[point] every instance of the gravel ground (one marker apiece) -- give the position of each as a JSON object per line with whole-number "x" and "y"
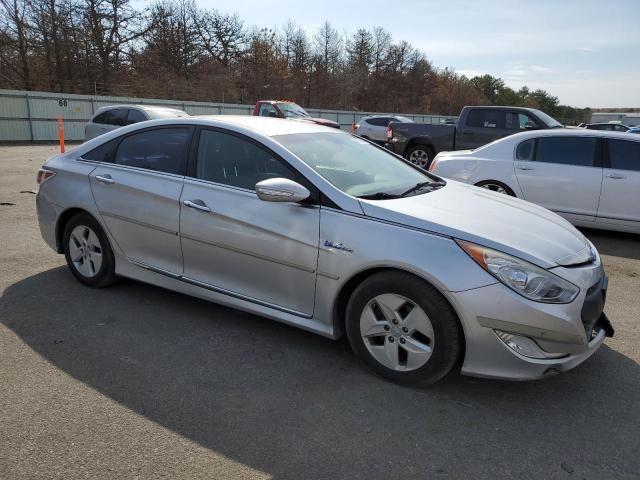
{"x": 138, "y": 382}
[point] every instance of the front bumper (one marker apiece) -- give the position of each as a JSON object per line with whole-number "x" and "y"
{"x": 568, "y": 333}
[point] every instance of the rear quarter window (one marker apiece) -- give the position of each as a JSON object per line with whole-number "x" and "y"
{"x": 524, "y": 151}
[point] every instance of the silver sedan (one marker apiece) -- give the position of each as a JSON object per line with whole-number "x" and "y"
{"x": 324, "y": 231}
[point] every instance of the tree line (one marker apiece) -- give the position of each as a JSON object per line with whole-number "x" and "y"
{"x": 175, "y": 49}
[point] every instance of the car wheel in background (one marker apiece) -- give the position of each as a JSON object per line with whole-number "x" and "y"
{"x": 88, "y": 253}
{"x": 496, "y": 186}
{"x": 403, "y": 329}
{"x": 421, "y": 155}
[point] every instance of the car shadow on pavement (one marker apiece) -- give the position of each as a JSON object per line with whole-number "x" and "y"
{"x": 296, "y": 405}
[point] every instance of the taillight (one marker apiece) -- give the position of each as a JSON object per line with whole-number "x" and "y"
{"x": 389, "y": 132}
{"x": 44, "y": 175}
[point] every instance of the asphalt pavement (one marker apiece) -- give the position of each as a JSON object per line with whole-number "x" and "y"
{"x": 135, "y": 381}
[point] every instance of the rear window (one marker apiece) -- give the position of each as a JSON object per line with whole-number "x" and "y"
{"x": 624, "y": 154}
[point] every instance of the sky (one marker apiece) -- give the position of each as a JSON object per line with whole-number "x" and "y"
{"x": 585, "y": 52}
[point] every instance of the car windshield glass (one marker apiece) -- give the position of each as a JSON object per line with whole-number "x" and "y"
{"x": 550, "y": 122}
{"x": 293, "y": 110}
{"x": 355, "y": 166}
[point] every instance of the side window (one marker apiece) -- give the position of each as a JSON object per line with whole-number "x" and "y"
{"x": 620, "y": 128}
{"x": 135, "y": 116}
{"x": 231, "y": 160}
{"x": 268, "y": 110}
{"x": 525, "y": 150}
{"x": 101, "y": 153}
{"x": 161, "y": 150}
{"x": 578, "y": 151}
{"x": 519, "y": 121}
{"x": 486, "y": 118}
{"x": 624, "y": 154}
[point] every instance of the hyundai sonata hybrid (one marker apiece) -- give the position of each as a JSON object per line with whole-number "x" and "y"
{"x": 325, "y": 231}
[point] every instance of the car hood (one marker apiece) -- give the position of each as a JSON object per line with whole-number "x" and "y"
{"x": 491, "y": 219}
{"x": 323, "y": 121}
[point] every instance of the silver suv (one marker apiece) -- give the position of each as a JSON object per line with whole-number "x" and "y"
{"x": 325, "y": 231}
{"x": 109, "y": 118}
{"x": 375, "y": 127}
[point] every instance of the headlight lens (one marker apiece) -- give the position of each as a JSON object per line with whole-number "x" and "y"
{"x": 522, "y": 277}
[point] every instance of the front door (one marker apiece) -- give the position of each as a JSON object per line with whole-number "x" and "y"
{"x": 620, "y": 199}
{"x": 138, "y": 195}
{"x": 482, "y": 126}
{"x": 233, "y": 242}
{"x": 562, "y": 174}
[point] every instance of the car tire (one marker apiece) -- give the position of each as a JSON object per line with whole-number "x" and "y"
{"x": 88, "y": 253}
{"x": 496, "y": 186}
{"x": 421, "y": 155}
{"x": 403, "y": 329}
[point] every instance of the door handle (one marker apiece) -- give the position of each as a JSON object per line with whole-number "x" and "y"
{"x": 105, "y": 179}
{"x": 615, "y": 176}
{"x": 525, "y": 168}
{"x": 197, "y": 204}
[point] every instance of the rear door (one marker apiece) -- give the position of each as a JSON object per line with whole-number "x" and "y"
{"x": 562, "y": 174}
{"x": 620, "y": 198}
{"x": 482, "y": 126}
{"x": 232, "y": 241}
{"x": 138, "y": 194}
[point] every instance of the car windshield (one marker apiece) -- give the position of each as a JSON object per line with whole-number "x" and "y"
{"x": 550, "y": 122}
{"x": 353, "y": 165}
{"x": 293, "y": 110}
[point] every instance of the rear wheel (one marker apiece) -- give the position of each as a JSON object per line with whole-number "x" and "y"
{"x": 88, "y": 253}
{"x": 421, "y": 155}
{"x": 403, "y": 329}
{"x": 496, "y": 186}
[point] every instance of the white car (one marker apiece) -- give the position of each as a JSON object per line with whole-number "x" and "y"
{"x": 375, "y": 127}
{"x": 109, "y": 118}
{"x": 590, "y": 177}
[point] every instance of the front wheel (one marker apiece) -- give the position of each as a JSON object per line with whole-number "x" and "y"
{"x": 403, "y": 329}
{"x": 421, "y": 155}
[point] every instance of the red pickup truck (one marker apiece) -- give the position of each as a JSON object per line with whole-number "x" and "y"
{"x": 290, "y": 110}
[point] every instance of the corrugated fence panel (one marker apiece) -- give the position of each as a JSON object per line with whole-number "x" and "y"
{"x": 27, "y": 116}
{"x": 14, "y": 131}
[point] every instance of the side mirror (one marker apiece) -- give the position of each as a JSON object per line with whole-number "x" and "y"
{"x": 530, "y": 126}
{"x": 281, "y": 190}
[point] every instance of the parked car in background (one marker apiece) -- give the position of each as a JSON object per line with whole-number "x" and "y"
{"x": 290, "y": 110}
{"x": 634, "y": 130}
{"x": 476, "y": 126}
{"x": 590, "y": 177}
{"x": 293, "y": 221}
{"x": 611, "y": 126}
{"x": 109, "y": 118}
{"x": 375, "y": 127}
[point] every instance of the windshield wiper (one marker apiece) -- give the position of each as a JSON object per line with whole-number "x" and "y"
{"x": 378, "y": 196}
{"x": 421, "y": 185}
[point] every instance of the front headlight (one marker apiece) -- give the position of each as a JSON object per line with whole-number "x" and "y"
{"x": 522, "y": 277}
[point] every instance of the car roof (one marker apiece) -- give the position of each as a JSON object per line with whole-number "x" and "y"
{"x": 141, "y": 107}
{"x": 264, "y": 125}
{"x": 569, "y": 132}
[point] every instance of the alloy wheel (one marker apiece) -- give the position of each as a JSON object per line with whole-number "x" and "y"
{"x": 85, "y": 251}
{"x": 494, "y": 187}
{"x": 397, "y": 332}
{"x": 419, "y": 158}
